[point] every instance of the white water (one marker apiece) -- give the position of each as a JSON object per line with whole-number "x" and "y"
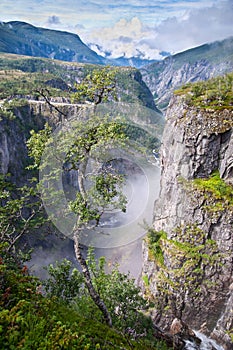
{"x": 206, "y": 343}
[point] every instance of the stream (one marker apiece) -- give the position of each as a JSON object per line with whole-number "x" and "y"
{"x": 206, "y": 343}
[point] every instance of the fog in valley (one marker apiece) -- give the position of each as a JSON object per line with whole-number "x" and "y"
{"x": 119, "y": 235}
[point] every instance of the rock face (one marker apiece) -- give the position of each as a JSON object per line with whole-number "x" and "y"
{"x": 188, "y": 259}
{"x": 15, "y": 132}
{"x": 200, "y": 63}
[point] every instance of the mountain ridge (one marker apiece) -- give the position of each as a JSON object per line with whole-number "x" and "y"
{"x": 23, "y": 38}
{"x": 26, "y": 39}
{"x": 199, "y": 63}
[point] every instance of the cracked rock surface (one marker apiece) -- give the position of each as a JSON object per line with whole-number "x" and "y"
{"x": 195, "y": 144}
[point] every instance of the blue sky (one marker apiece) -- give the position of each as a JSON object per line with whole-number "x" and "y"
{"x": 130, "y": 28}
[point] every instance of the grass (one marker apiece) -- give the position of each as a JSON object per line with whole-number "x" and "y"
{"x": 216, "y": 187}
{"x": 214, "y": 94}
{"x": 16, "y": 83}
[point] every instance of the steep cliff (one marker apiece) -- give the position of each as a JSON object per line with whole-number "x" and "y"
{"x": 188, "y": 254}
{"x": 200, "y": 63}
{"x": 15, "y": 131}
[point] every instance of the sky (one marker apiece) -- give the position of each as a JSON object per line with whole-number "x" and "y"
{"x": 141, "y": 28}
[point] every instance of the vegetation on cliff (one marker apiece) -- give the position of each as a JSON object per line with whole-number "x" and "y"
{"x": 22, "y": 75}
{"x": 188, "y": 267}
{"x": 214, "y": 94}
{"x": 182, "y": 275}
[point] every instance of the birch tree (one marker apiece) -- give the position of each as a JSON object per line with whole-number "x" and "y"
{"x": 99, "y": 187}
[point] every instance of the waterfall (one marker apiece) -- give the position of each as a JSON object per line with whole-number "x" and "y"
{"x": 206, "y": 343}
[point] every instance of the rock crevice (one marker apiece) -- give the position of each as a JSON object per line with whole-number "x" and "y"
{"x": 194, "y": 280}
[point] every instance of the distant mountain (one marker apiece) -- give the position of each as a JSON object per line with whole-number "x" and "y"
{"x": 24, "y": 39}
{"x": 200, "y": 63}
{"x": 136, "y": 62}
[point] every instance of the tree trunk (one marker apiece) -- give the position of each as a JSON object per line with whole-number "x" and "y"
{"x": 93, "y": 293}
{"x": 81, "y": 177}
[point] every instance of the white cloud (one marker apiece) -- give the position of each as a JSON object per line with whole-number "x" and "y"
{"x": 53, "y": 20}
{"x": 123, "y": 39}
{"x": 142, "y": 27}
{"x": 195, "y": 27}
{"x": 198, "y": 26}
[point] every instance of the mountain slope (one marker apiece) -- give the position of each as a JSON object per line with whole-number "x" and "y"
{"x": 130, "y": 86}
{"x": 23, "y": 79}
{"x": 200, "y": 63}
{"x": 25, "y": 39}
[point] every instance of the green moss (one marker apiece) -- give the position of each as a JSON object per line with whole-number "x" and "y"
{"x": 146, "y": 280}
{"x": 154, "y": 239}
{"x": 231, "y": 334}
{"x": 217, "y": 187}
{"x": 183, "y": 270}
{"x": 215, "y": 94}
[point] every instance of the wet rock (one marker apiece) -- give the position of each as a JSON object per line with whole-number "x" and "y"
{"x": 180, "y": 330}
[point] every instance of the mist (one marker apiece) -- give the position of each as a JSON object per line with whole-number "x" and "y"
{"x": 119, "y": 236}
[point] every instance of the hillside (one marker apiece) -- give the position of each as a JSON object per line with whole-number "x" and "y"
{"x": 131, "y": 88}
{"x": 23, "y": 78}
{"x": 25, "y": 39}
{"x": 33, "y": 91}
{"x": 200, "y": 63}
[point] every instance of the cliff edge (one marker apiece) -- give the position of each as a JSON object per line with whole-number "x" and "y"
{"x": 188, "y": 255}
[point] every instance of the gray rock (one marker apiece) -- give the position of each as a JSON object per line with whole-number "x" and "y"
{"x": 194, "y": 145}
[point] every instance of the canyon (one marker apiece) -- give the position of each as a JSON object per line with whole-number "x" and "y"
{"x": 187, "y": 257}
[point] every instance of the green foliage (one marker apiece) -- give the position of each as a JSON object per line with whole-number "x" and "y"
{"x": 6, "y": 111}
{"x": 62, "y": 282}
{"x": 97, "y": 87}
{"x": 119, "y": 292}
{"x": 37, "y": 143}
{"x": 121, "y": 295}
{"x": 89, "y": 140}
{"x": 185, "y": 273}
{"x": 216, "y": 93}
{"x": 20, "y": 213}
{"x": 216, "y": 187}
{"x": 30, "y": 320}
{"x": 154, "y": 239}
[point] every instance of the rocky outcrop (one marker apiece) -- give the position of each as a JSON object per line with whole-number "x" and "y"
{"x": 188, "y": 257}
{"x": 15, "y": 131}
{"x": 200, "y": 63}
